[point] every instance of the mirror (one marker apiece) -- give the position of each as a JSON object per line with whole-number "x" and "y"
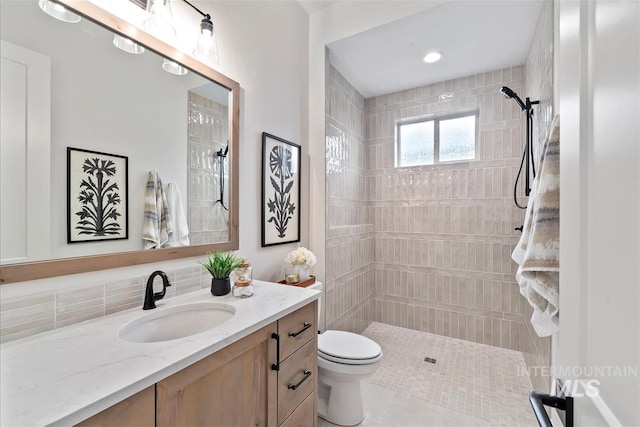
{"x": 91, "y": 96}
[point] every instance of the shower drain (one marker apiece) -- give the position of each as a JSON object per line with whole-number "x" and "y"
{"x": 430, "y": 360}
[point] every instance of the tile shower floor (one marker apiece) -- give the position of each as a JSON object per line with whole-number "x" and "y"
{"x": 469, "y": 385}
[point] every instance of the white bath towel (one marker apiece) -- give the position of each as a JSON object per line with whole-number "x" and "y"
{"x": 179, "y": 235}
{"x": 156, "y": 225}
{"x": 538, "y": 251}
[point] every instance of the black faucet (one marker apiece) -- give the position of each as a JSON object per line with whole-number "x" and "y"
{"x": 150, "y": 297}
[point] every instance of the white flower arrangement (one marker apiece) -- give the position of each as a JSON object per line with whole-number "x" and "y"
{"x": 302, "y": 257}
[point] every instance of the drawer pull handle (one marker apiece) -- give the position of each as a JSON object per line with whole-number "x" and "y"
{"x": 307, "y": 325}
{"x": 276, "y": 366}
{"x": 307, "y": 374}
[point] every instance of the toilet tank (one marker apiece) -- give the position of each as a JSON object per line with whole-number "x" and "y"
{"x": 318, "y": 287}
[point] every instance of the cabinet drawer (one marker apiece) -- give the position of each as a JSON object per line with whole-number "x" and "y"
{"x": 304, "y": 415}
{"x": 293, "y": 329}
{"x": 296, "y": 379}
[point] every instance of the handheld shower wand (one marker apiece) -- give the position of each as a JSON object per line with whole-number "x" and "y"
{"x": 510, "y": 94}
{"x": 222, "y": 154}
{"x": 527, "y": 155}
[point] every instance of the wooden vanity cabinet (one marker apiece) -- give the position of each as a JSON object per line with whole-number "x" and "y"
{"x": 243, "y": 384}
{"x": 136, "y": 411}
{"x": 235, "y": 386}
{"x": 238, "y": 385}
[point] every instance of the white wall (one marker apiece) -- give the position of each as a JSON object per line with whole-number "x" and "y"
{"x": 264, "y": 47}
{"x": 599, "y": 99}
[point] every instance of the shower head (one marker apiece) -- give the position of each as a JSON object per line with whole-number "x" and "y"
{"x": 507, "y": 92}
{"x": 510, "y": 94}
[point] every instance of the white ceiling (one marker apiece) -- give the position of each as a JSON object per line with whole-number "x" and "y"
{"x": 474, "y": 35}
{"x": 314, "y": 5}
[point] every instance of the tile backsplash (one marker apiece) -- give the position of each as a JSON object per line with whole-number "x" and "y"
{"x": 22, "y": 316}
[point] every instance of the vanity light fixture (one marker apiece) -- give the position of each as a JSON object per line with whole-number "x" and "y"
{"x": 207, "y": 47}
{"x": 127, "y": 45}
{"x": 173, "y": 67}
{"x": 58, "y": 11}
{"x": 433, "y": 56}
{"x": 160, "y": 21}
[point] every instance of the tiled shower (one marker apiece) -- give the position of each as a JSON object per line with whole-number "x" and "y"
{"x": 429, "y": 248}
{"x": 208, "y": 133}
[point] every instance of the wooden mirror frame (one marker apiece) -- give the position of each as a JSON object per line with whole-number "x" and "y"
{"x": 65, "y": 266}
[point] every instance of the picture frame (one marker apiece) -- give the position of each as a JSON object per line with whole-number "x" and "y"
{"x": 91, "y": 218}
{"x": 280, "y": 191}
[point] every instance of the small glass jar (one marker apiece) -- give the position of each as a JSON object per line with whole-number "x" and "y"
{"x": 242, "y": 289}
{"x": 244, "y": 272}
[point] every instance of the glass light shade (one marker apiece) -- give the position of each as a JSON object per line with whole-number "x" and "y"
{"x": 207, "y": 47}
{"x": 173, "y": 68}
{"x": 160, "y": 21}
{"x": 58, "y": 11}
{"x": 127, "y": 45}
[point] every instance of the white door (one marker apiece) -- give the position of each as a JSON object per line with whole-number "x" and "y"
{"x": 25, "y": 179}
{"x": 598, "y": 60}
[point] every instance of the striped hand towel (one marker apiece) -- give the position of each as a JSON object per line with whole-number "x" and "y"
{"x": 156, "y": 225}
{"x": 538, "y": 251}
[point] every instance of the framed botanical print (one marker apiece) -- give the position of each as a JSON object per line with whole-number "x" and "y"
{"x": 97, "y": 196}
{"x": 280, "y": 191}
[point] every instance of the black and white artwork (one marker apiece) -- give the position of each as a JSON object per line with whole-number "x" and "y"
{"x": 97, "y": 196}
{"x": 280, "y": 191}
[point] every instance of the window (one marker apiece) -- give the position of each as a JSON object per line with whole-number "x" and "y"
{"x": 450, "y": 138}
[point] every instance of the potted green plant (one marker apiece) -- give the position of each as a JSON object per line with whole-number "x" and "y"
{"x": 220, "y": 265}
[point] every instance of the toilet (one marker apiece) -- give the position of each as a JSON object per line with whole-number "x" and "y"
{"x": 344, "y": 359}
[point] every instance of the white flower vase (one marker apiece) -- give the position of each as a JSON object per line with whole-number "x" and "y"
{"x": 303, "y": 273}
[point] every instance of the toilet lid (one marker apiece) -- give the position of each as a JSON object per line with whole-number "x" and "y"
{"x": 347, "y": 345}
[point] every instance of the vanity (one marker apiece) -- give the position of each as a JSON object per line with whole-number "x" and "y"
{"x": 257, "y": 368}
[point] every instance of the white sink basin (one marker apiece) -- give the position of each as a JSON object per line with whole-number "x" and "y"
{"x": 176, "y": 322}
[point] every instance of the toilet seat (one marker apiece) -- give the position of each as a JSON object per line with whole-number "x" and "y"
{"x": 348, "y": 348}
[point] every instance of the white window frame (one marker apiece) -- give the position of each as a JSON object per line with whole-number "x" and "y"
{"x": 436, "y": 119}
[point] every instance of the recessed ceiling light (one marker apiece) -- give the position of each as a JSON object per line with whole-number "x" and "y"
{"x": 432, "y": 57}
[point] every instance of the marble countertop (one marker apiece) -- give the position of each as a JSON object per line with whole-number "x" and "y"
{"x": 67, "y": 375}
